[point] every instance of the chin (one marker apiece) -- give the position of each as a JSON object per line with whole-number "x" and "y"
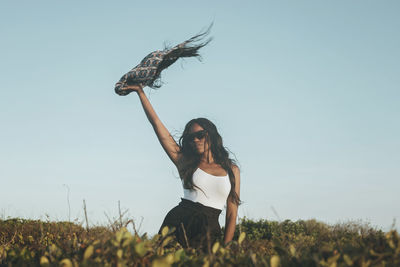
{"x": 199, "y": 152}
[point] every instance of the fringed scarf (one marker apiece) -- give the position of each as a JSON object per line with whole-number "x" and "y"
{"x": 148, "y": 71}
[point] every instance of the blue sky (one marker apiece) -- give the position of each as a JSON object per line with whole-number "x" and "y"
{"x": 304, "y": 93}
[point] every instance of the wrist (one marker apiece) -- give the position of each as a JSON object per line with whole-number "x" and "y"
{"x": 140, "y": 90}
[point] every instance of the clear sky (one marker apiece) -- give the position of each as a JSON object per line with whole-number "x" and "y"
{"x": 304, "y": 93}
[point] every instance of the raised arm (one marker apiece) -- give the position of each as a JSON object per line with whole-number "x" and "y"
{"x": 166, "y": 140}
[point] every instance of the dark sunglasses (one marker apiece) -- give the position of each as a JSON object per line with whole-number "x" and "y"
{"x": 198, "y": 134}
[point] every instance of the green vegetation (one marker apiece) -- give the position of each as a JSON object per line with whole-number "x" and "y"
{"x": 256, "y": 243}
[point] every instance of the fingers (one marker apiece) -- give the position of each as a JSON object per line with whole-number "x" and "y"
{"x": 132, "y": 87}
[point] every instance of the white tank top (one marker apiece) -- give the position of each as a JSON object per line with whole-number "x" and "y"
{"x": 216, "y": 189}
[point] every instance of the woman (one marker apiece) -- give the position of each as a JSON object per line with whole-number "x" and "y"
{"x": 210, "y": 179}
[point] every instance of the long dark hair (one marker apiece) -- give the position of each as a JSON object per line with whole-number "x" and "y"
{"x": 190, "y": 159}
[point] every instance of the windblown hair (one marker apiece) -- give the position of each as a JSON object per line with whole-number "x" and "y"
{"x": 190, "y": 159}
{"x": 186, "y": 49}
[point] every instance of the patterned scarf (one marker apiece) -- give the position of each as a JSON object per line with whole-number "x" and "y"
{"x": 148, "y": 71}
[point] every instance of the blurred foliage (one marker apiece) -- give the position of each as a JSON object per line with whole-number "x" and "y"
{"x": 256, "y": 243}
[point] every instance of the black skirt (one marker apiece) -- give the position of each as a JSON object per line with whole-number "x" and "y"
{"x": 195, "y": 225}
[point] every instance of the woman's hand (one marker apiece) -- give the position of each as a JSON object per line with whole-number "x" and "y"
{"x": 135, "y": 87}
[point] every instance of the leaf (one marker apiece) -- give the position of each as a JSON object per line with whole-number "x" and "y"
{"x": 215, "y": 247}
{"x": 55, "y": 251}
{"x": 119, "y": 235}
{"x": 44, "y": 261}
{"x": 241, "y": 237}
{"x": 3, "y": 252}
{"x": 275, "y": 261}
{"x": 66, "y": 263}
{"x": 347, "y": 259}
{"x": 292, "y": 250}
{"x": 127, "y": 234}
{"x": 253, "y": 258}
{"x": 166, "y": 241}
{"x": 333, "y": 259}
{"x": 179, "y": 254}
{"x": 140, "y": 249}
{"x": 88, "y": 252}
{"x": 119, "y": 253}
{"x": 164, "y": 231}
{"x": 160, "y": 263}
{"x": 127, "y": 241}
{"x": 170, "y": 258}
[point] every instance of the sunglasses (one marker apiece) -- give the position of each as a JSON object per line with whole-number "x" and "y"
{"x": 199, "y": 135}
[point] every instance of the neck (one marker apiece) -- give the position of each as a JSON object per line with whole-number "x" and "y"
{"x": 207, "y": 157}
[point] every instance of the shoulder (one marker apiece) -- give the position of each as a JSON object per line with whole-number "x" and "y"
{"x": 236, "y": 173}
{"x": 236, "y": 170}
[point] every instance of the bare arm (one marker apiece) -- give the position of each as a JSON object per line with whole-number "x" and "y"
{"x": 166, "y": 140}
{"x": 232, "y": 209}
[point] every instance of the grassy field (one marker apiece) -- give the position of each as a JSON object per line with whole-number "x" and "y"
{"x": 256, "y": 243}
